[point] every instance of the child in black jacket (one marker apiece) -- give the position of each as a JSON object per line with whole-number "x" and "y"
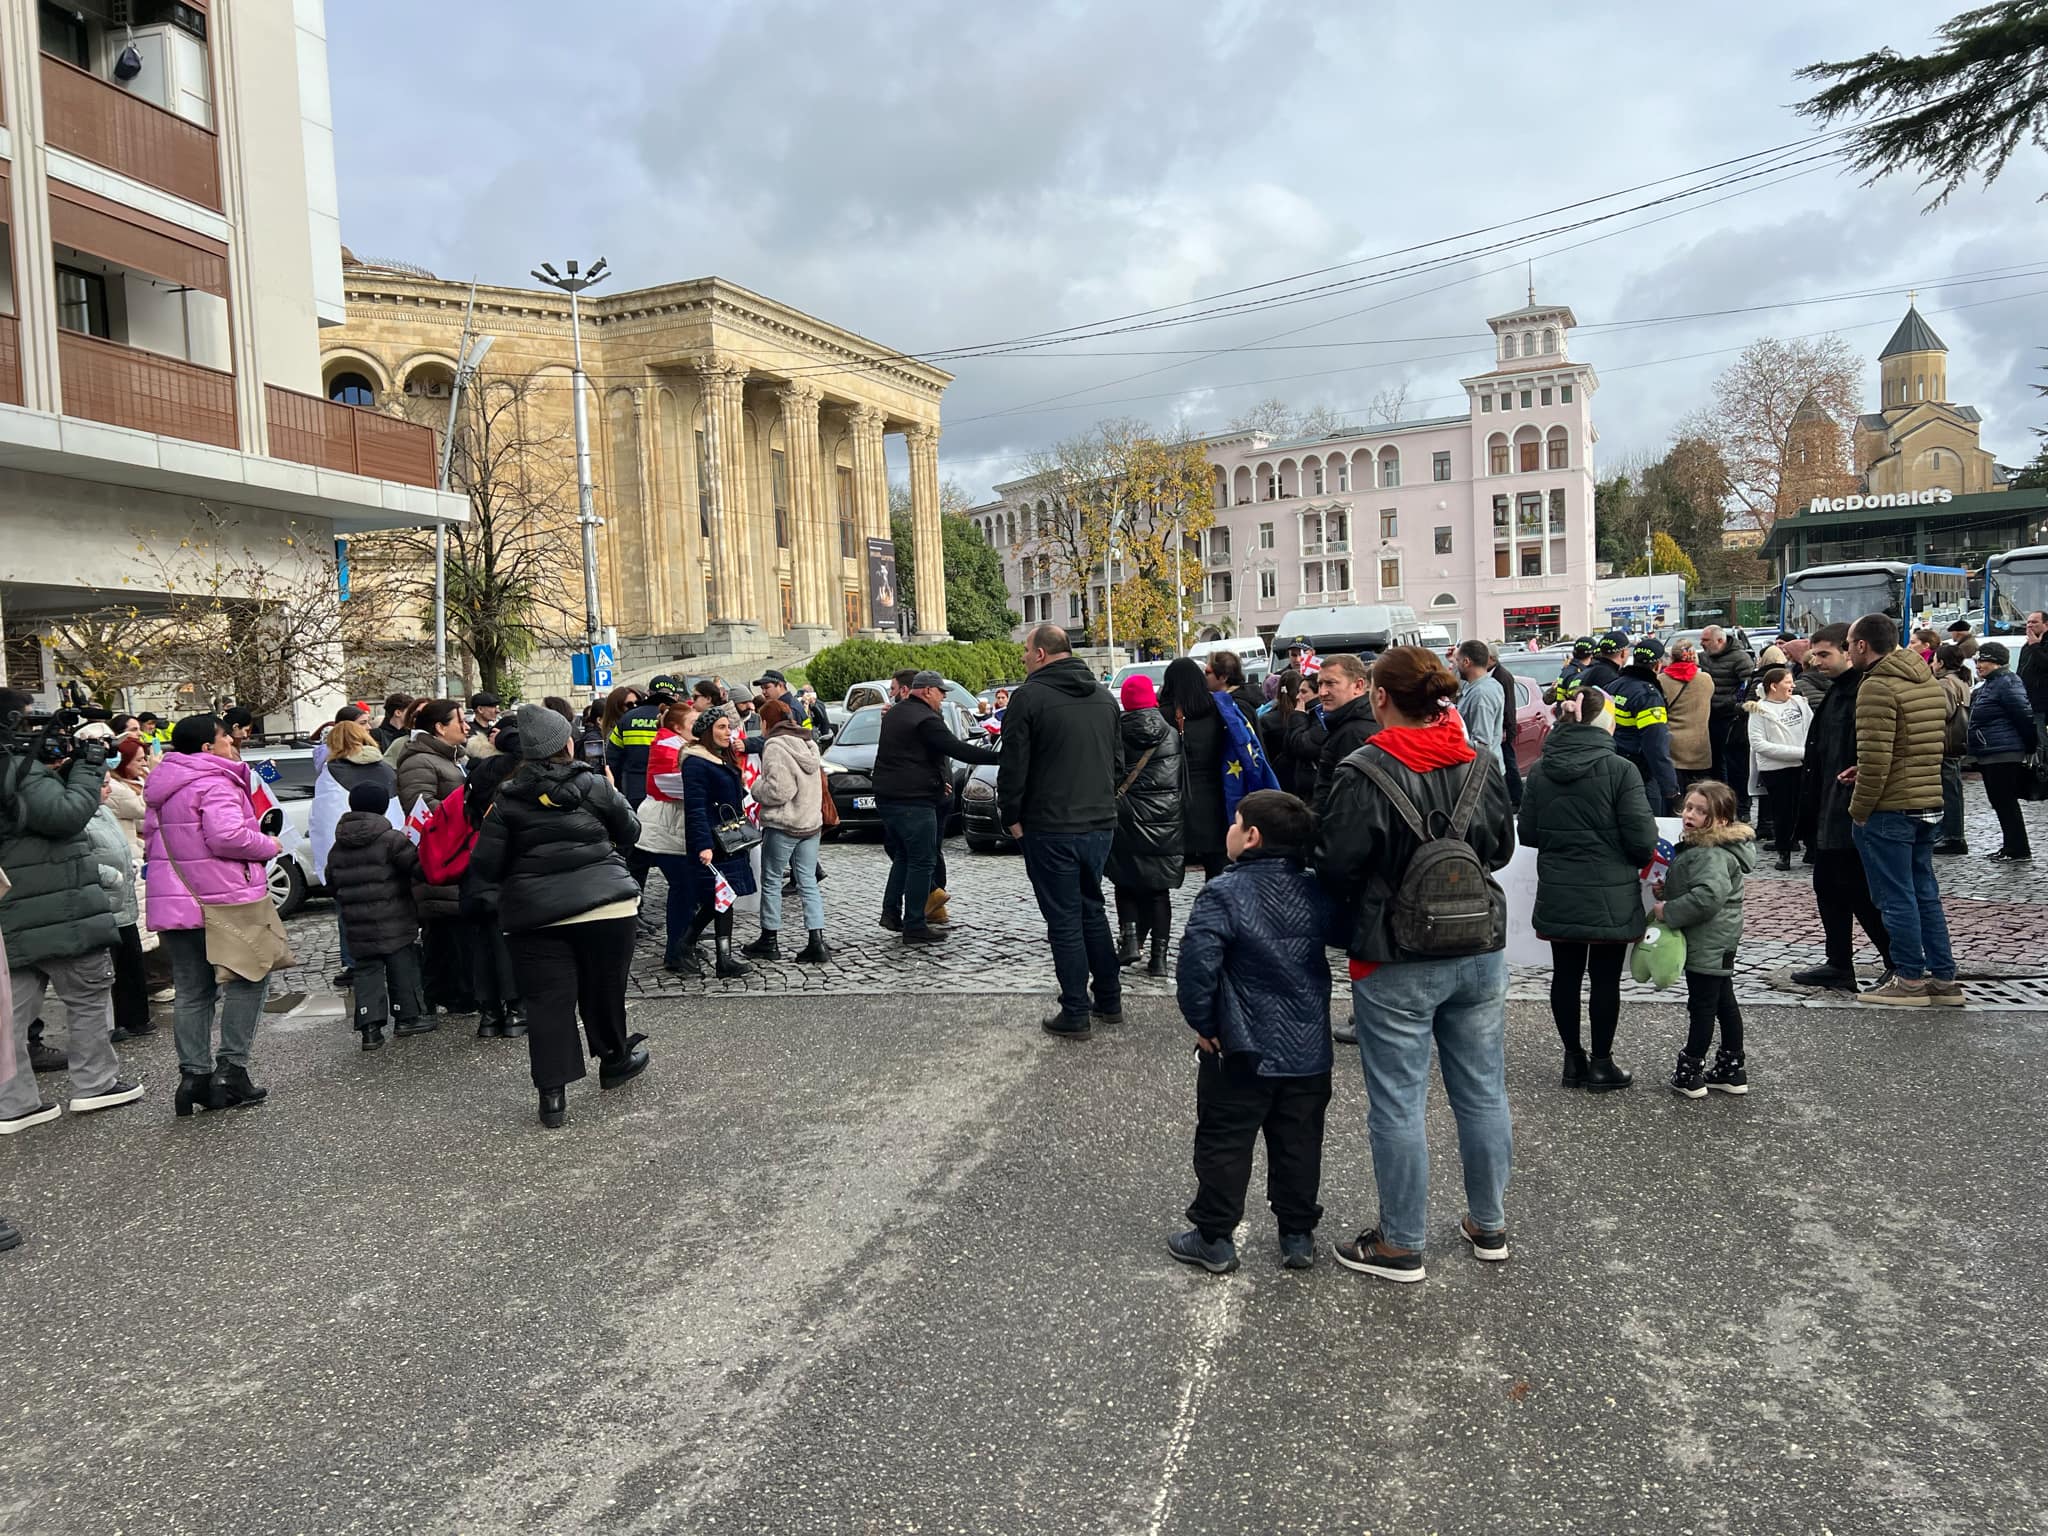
{"x": 371, "y": 873}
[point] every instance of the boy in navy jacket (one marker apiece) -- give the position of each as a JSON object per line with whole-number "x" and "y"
{"x": 1254, "y": 986}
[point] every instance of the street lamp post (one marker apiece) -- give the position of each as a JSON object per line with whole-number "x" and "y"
{"x": 573, "y": 284}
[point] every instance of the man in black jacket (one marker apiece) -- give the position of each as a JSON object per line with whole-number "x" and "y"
{"x": 2032, "y": 666}
{"x": 1061, "y": 762}
{"x": 1841, "y": 890}
{"x": 1729, "y": 664}
{"x": 911, "y": 780}
{"x": 1345, "y": 703}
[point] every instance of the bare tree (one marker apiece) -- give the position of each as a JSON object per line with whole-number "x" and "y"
{"x": 1276, "y": 419}
{"x": 1750, "y": 423}
{"x": 514, "y": 572}
{"x": 107, "y": 649}
{"x": 1388, "y": 404}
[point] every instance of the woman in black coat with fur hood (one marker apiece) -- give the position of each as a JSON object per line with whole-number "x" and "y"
{"x": 1146, "y": 863}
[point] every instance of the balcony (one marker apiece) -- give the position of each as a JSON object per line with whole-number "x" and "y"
{"x": 10, "y": 360}
{"x": 349, "y": 438}
{"x": 108, "y": 126}
{"x": 1218, "y": 559}
{"x": 128, "y": 387}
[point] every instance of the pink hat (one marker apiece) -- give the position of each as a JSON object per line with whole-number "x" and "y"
{"x": 1138, "y": 692}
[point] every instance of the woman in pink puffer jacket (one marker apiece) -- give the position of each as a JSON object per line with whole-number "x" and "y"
{"x": 202, "y": 844}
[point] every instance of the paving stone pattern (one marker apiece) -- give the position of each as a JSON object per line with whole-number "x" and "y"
{"x": 996, "y": 945}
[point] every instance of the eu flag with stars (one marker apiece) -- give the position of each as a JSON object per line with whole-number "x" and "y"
{"x": 1244, "y": 766}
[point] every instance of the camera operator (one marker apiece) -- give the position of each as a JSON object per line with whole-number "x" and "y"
{"x": 59, "y": 917}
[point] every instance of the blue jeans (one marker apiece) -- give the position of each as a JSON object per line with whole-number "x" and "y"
{"x": 784, "y": 852}
{"x": 910, "y": 833}
{"x": 1398, "y": 1010}
{"x": 1898, "y": 860}
{"x": 1066, "y": 876}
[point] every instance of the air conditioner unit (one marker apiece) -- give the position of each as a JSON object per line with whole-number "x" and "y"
{"x": 176, "y": 74}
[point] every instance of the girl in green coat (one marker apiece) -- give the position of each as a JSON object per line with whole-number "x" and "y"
{"x": 1584, "y": 813}
{"x": 1703, "y": 900}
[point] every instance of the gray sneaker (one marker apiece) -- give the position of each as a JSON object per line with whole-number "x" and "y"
{"x": 1898, "y": 993}
{"x": 1945, "y": 994}
{"x": 1190, "y": 1247}
{"x": 1297, "y": 1250}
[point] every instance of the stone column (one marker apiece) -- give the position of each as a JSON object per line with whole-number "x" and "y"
{"x": 814, "y": 546}
{"x": 927, "y": 537}
{"x": 870, "y": 488}
{"x": 724, "y": 381}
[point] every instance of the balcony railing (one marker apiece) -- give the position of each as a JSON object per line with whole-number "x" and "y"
{"x": 110, "y": 127}
{"x": 349, "y": 438}
{"x": 127, "y": 387}
{"x": 10, "y": 360}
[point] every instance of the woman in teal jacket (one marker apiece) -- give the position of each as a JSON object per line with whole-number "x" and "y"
{"x": 1584, "y": 813}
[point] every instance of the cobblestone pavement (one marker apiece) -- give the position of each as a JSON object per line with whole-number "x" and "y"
{"x": 997, "y": 942}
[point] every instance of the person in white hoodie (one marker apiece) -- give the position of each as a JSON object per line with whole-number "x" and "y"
{"x": 791, "y": 794}
{"x": 1778, "y": 723}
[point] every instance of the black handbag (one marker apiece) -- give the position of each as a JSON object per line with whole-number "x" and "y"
{"x": 734, "y": 836}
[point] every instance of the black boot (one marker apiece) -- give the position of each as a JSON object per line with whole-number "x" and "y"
{"x": 1603, "y": 1076}
{"x": 198, "y": 1090}
{"x": 1574, "y": 1067}
{"x": 1156, "y": 966}
{"x": 1784, "y": 858}
{"x": 763, "y": 947}
{"x": 815, "y": 952}
{"x": 624, "y": 1067}
{"x": 554, "y": 1107}
{"x": 490, "y": 1024}
{"x": 515, "y": 1021}
{"x": 1128, "y": 951}
{"x": 727, "y": 965}
{"x": 373, "y": 1037}
{"x": 236, "y": 1088}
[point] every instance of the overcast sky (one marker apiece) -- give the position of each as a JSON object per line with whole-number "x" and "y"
{"x": 940, "y": 173}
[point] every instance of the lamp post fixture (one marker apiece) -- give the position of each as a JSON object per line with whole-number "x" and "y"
{"x": 573, "y": 283}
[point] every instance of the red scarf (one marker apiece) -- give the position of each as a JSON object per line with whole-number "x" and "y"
{"x": 1684, "y": 671}
{"x": 1421, "y": 748}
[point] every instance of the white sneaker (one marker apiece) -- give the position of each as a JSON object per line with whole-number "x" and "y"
{"x": 42, "y": 1114}
{"x": 113, "y": 1096}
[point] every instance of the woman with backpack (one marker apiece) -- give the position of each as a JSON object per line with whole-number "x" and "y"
{"x": 1583, "y": 812}
{"x": 552, "y": 847}
{"x": 1146, "y": 865}
{"x": 1427, "y": 935}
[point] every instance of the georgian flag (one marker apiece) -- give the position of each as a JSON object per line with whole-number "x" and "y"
{"x": 723, "y": 896}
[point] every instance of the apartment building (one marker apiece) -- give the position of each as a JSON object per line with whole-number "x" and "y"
{"x": 171, "y": 251}
{"x": 1481, "y": 522}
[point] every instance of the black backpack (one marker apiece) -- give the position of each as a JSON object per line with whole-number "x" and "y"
{"x": 1446, "y": 903}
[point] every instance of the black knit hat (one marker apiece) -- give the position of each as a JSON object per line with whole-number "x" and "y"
{"x": 370, "y": 796}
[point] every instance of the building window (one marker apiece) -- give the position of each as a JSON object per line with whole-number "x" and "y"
{"x": 1507, "y": 344}
{"x": 1564, "y": 394}
{"x": 1219, "y": 588}
{"x": 1343, "y": 475}
{"x": 1073, "y": 607}
{"x": 703, "y": 486}
{"x": 82, "y": 303}
{"x": 1557, "y": 511}
{"x": 345, "y": 388}
{"x": 1273, "y": 487}
{"x": 1528, "y": 343}
{"x": 1529, "y": 515}
{"x": 1390, "y": 573}
{"x": 1527, "y": 400}
{"x": 1443, "y": 541}
{"x": 1501, "y": 568}
{"x": 788, "y": 608}
{"x": 1497, "y": 456}
{"x": 1486, "y": 405}
{"x": 1030, "y": 609}
{"x": 1390, "y": 526}
{"x": 778, "y": 480}
{"x": 1543, "y": 396}
{"x": 1532, "y": 560}
{"x": 1560, "y": 450}
{"x": 64, "y": 36}
{"x": 1390, "y": 468}
{"x": 1266, "y": 537}
{"x": 1500, "y": 514}
{"x": 1317, "y": 470}
{"x": 1440, "y": 466}
{"x": 1339, "y": 579}
{"x": 1550, "y": 341}
{"x": 1531, "y": 456}
{"x": 1920, "y": 386}
{"x": 1507, "y": 402}
{"x": 1269, "y": 585}
{"x": 1219, "y": 543}
{"x": 851, "y": 603}
{"x": 845, "y": 478}
{"x": 1336, "y": 527}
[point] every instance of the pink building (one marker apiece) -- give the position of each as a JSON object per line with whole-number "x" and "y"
{"x": 1481, "y": 522}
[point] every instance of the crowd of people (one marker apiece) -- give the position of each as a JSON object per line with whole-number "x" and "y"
{"x": 493, "y": 862}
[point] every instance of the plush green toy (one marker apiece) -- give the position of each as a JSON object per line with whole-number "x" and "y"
{"x": 1660, "y": 956}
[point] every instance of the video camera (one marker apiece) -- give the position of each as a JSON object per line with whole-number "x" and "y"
{"x": 48, "y": 738}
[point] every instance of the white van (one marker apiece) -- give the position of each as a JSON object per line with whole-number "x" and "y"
{"x": 1249, "y": 649}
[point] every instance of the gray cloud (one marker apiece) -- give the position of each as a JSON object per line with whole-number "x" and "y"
{"x": 936, "y": 174}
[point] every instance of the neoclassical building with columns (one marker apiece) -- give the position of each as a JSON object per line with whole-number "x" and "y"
{"x": 737, "y": 445}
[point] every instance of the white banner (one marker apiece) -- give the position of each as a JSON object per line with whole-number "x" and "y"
{"x": 1518, "y": 880}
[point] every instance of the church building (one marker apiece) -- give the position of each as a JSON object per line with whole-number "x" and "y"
{"x": 1917, "y": 440}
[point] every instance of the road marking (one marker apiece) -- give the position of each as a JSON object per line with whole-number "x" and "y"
{"x": 1215, "y": 1320}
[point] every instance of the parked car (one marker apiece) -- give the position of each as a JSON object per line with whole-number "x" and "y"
{"x": 1156, "y": 670}
{"x": 1532, "y": 720}
{"x": 866, "y": 695}
{"x": 286, "y": 769}
{"x": 1540, "y": 667}
{"x": 981, "y": 818}
{"x": 850, "y": 765}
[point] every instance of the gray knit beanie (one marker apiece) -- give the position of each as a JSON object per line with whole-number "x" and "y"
{"x": 542, "y": 733}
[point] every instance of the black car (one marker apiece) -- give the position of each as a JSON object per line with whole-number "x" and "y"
{"x": 984, "y": 822}
{"x": 850, "y": 766}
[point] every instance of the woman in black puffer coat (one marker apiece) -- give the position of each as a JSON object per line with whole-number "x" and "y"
{"x": 553, "y": 846}
{"x": 1145, "y": 860}
{"x": 1189, "y": 707}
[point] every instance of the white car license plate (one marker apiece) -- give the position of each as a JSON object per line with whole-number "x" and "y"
{"x": 863, "y": 802}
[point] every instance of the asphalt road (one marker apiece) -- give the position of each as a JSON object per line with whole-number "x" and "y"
{"x": 877, "y": 1264}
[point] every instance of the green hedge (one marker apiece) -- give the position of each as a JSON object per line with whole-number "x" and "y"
{"x": 980, "y": 665}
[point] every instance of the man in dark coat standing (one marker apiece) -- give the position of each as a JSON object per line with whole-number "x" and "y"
{"x": 1729, "y": 665}
{"x": 2032, "y": 666}
{"x": 1841, "y": 891}
{"x": 1061, "y": 762}
{"x": 911, "y": 781}
{"x": 1344, "y": 704}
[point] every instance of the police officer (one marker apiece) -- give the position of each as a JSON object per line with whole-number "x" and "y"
{"x": 626, "y": 749}
{"x": 1610, "y": 655}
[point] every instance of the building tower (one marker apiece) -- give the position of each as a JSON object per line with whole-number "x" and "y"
{"x": 1913, "y": 365}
